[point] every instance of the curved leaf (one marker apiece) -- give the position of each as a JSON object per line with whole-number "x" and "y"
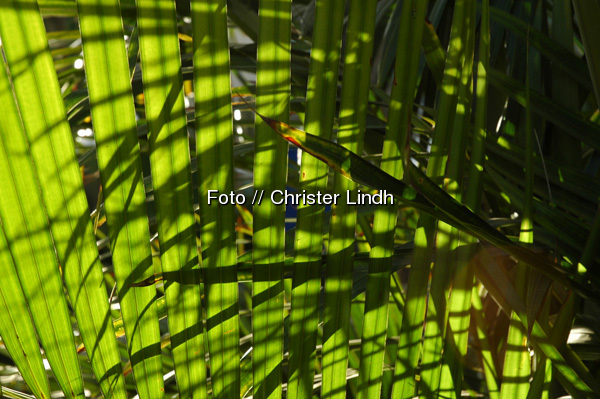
{"x": 113, "y": 118}
{"x": 423, "y": 195}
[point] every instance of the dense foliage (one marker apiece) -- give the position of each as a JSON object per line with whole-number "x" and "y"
{"x": 124, "y": 273}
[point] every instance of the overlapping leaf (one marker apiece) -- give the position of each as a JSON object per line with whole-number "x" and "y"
{"x": 423, "y": 194}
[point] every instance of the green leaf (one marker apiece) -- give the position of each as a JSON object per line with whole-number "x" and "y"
{"x": 16, "y": 328}
{"x": 214, "y": 142}
{"x": 425, "y": 196}
{"x": 268, "y": 242}
{"x": 113, "y": 118}
{"x": 396, "y": 139}
{"x": 491, "y": 375}
{"x": 171, "y": 180}
{"x": 434, "y": 54}
{"x": 568, "y": 120}
{"x": 64, "y": 201}
{"x": 17, "y": 331}
{"x": 517, "y": 362}
{"x": 563, "y": 146}
{"x": 569, "y": 366}
{"x": 560, "y": 56}
{"x": 459, "y": 304}
{"x": 445, "y": 375}
{"x": 587, "y": 13}
{"x": 68, "y": 8}
{"x": 352, "y": 120}
{"x": 425, "y": 235}
{"x": 321, "y": 98}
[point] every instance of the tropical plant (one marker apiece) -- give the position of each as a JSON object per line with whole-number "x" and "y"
{"x": 144, "y": 153}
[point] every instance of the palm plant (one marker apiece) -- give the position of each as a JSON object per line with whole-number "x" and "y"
{"x": 479, "y": 280}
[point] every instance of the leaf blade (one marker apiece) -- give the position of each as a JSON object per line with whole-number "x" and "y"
{"x": 113, "y": 119}
{"x": 214, "y": 142}
{"x": 268, "y": 242}
{"x": 171, "y": 179}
